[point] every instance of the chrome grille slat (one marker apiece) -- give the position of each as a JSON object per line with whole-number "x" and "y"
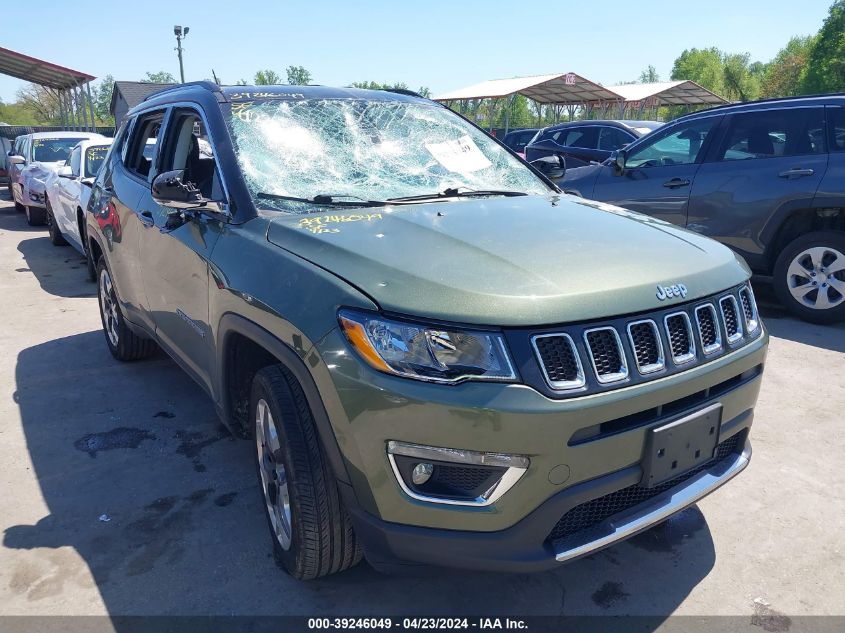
{"x": 606, "y": 354}
{"x": 730, "y": 318}
{"x": 709, "y": 332}
{"x": 559, "y": 361}
{"x": 679, "y": 333}
{"x": 647, "y": 346}
{"x": 749, "y": 309}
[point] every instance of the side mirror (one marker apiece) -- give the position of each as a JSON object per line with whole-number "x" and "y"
{"x": 617, "y": 159}
{"x": 65, "y": 172}
{"x": 552, "y": 167}
{"x": 16, "y": 160}
{"x": 169, "y": 190}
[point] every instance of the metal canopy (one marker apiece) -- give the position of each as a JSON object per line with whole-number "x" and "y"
{"x": 560, "y": 89}
{"x": 668, "y": 93}
{"x": 71, "y": 88}
{"x": 39, "y": 71}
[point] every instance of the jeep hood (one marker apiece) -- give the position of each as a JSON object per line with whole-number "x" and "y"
{"x": 519, "y": 261}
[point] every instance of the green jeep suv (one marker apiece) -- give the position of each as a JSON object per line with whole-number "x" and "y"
{"x": 441, "y": 359}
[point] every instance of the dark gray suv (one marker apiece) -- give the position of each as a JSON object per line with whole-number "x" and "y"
{"x": 766, "y": 178}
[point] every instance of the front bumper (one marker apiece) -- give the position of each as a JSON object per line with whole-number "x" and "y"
{"x": 368, "y": 409}
{"x": 525, "y": 547}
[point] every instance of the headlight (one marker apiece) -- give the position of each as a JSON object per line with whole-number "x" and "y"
{"x": 427, "y": 352}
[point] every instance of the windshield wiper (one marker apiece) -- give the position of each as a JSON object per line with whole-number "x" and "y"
{"x": 326, "y": 200}
{"x": 459, "y": 192}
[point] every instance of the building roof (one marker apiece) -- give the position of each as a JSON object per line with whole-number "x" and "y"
{"x": 39, "y": 71}
{"x": 668, "y": 93}
{"x": 559, "y": 89}
{"x": 134, "y": 92}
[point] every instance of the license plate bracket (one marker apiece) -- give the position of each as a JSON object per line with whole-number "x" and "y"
{"x": 681, "y": 445}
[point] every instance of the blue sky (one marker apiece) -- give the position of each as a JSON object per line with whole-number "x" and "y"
{"x": 440, "y": 44}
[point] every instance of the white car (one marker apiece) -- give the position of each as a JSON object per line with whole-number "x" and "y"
{"x": 68, "y": 190}
{"x": 40, "y": 153}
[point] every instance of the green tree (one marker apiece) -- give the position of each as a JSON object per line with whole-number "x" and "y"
{"x": 741, "y": 78}
{"x": 16, "y": 114}
{"x": 785, "y": 74}
{"x": 298, "y": 76}
{"x": 267, "y": 78}
{"x": 42, "y": 102}
{"x": 101, "y": 93}
{"x": 703, "y": 66}
{"x": 161, "y": 77}
{"x": 424, "y": 91}
{"x": 826, "y": 64}
{"x": 649, "y": 75}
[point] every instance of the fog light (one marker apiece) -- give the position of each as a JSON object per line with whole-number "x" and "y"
{"x": 421, "y": 473}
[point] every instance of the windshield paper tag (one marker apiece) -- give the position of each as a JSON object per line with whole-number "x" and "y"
{"x": 461, "y": 156}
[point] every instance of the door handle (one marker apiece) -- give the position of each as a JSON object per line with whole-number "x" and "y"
{"x": 795, "y": 172}
{"x": 147, "y": 218}
{"x": 676, "y": 182}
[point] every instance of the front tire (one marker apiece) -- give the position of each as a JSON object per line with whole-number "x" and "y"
{"x": 311, "y": 530}
{"x": 56, "y": 236}
{"x": 809, "y": 277}
{"x": 123, "y": 343}
{"x": 35, "y": 216}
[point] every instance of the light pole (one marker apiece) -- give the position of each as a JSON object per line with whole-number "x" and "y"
{"x": 180, "y": 34}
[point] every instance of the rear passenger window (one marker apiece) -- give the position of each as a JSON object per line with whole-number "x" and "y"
{"x": 611, "y": 138}
{"x": 774, "y": 133}
{"x": 140, "y": 154}
{"x": 584, "y": 137}
{"x": 836, "y": 118}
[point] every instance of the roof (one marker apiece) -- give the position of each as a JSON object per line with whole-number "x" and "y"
{"x": 236, "y": 93}
{"x": 134, "y": 92}
{"x": 79, "y": 135}
{"x": 39, "y": 71}
{"x": 668, "y": 93}
{"x": 559, "y": 88}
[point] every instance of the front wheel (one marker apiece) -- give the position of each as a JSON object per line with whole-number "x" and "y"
{"x": 809, "y": 277}
{"x": 56, "y": 236}
{"x": 123, "y": 343}
{"x": 311, "y": 530}
{"x": 35, "y": 216}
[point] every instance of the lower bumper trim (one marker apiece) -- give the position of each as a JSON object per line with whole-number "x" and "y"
{"x": 639, "y": 518}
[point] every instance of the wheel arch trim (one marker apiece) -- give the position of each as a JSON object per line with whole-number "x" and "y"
{"x": 231, "y": 323}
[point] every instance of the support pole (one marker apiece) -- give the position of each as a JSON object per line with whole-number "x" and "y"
{"x": 91, "y": 107}
{"x": 84, "y": 109}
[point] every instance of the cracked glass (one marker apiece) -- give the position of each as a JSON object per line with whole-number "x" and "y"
{"x": 368, "y": 150}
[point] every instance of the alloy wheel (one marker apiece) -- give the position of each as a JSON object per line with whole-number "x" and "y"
{"x": 274, "y": 482}
{"x": 816, "y": 278}
{"x": 108, "y": 308}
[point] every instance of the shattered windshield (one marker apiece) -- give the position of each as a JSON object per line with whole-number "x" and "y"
{"x": 366, "y": 150}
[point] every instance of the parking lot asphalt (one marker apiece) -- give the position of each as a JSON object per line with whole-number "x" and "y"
{"x": 122, "y": 495}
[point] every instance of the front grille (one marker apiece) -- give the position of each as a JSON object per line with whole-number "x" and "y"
{"x": 680, "y": 337}
{"x": 559, "y": 361}
{"x": 731, "y": 318}
{"x": 606, "y": 353}
{"x": 708, "y": 328}
{"x": 648, "y": 349}
{"x": 591, "y": 513}
{"x": 643, "y": 341}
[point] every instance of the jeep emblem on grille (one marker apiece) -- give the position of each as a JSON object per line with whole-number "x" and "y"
{"x": 675, "y": 290}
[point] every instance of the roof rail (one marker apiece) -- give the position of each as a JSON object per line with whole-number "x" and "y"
{"x": 404, "y": 91}
{"x": 736, "y": 104}
{"x": 207, "y": 85}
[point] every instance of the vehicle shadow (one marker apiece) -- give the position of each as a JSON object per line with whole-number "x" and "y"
{"x": 782, "y": 324}
{"x": 60, "y": 270}
{"x": 11, "y": 219}
{"x": 160, "y": 506}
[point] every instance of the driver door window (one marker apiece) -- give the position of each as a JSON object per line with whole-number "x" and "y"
{"x": 679, "y": 146}
{"x": 188, "y": 149}
{"x": 140, "y": 155}
{"x": 74, "y": 161}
